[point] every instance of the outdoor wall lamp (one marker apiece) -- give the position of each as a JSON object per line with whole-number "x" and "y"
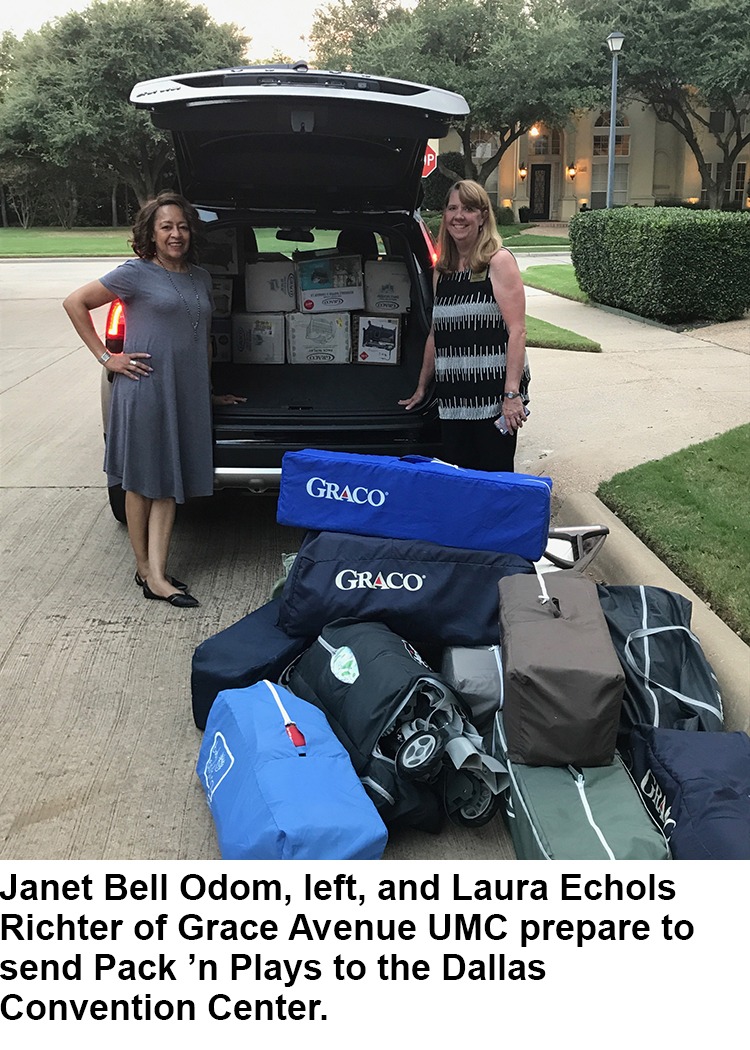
{"x": 571, "y": 170}
{"x": 523, "y": 171}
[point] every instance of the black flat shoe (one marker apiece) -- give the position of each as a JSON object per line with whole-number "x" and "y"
{"x": 179, "y": 600}
{"x": 170, "y": 579}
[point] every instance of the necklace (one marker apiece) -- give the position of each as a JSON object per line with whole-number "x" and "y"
{"x": 197, "y": 321}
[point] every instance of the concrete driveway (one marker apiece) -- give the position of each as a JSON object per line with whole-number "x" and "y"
{"x": 98, "y": 746}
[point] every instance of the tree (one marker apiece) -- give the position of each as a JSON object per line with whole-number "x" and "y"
{"x": 517, "y": 63}
{"x": 66, "y": 100}
{"x": 341, "y": 30}
{"x": 687, "y": 59}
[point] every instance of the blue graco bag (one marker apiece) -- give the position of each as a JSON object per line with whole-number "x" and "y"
{"x": 415, "y": 498}
{"x": 279, "y": 784}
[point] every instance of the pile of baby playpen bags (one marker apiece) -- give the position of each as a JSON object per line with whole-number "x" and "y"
{"x": 425, "y": 658}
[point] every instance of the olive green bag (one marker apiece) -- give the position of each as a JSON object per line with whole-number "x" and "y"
{"x": 576, "y": 813}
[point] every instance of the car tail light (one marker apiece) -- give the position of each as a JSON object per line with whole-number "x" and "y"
{"x": 431, "y": 246}
{"x": 114, "y": 330}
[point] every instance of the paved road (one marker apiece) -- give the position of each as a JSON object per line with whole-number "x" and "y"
{"x": 98, "y": 746}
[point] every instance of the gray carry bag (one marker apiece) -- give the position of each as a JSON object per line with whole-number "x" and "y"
{"x": 476, "y": 673}
{"x": 576, "y": 813}
{"x": 563, "y": 684}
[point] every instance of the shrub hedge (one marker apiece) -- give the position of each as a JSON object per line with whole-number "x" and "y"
{"x": 667, "y": 264}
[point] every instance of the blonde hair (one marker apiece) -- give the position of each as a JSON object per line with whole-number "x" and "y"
{"x": 471, "y": 195}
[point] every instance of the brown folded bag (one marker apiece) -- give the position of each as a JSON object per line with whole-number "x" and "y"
{"x": 563, "y": 683}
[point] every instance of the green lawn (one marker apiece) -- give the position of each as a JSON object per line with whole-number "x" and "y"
{"x": 693, "y": 510}
{"x": 55, "y": 243}
{"x": 536, "y": 241}
{"x": 558, "y": 278}
{"x": 542, "y": 333}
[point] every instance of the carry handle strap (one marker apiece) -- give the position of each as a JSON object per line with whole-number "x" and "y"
{"x": 544, "y": 599}
{"x": 649, "y": 632}
{"x": 414, "y": 458}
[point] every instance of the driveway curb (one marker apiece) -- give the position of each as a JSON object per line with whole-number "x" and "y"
{"x": 624, "y": 559}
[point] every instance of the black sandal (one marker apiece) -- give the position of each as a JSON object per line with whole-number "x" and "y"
{"x": 180, "y": 600}
{"x": 139, "y": 582}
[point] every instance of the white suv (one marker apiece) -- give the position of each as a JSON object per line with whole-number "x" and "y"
{"x": 297, "y": 172}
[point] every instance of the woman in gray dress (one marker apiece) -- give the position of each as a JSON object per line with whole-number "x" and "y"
{"x": 159, "y": 444}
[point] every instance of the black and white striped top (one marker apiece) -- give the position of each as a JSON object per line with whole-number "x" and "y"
{"x": 470, "y": 346}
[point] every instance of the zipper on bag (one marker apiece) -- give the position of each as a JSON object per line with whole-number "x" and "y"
{"x": 580, "y": 782}
{"x": 295, "y": 734}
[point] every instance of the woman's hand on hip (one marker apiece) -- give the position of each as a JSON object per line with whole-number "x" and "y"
{"x": 227, "y": 399}
{"x": 131, "y": 365}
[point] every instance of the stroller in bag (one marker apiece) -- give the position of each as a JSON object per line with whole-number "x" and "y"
{"x": 406, "y": 731}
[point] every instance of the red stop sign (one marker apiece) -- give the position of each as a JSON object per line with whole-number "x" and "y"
{"x": 430, "y": 162}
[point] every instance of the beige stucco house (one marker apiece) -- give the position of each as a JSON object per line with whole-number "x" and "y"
{"x": 556, "y": 173}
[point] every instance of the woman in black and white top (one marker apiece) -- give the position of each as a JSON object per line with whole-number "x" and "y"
{"x": 476, "y": 349}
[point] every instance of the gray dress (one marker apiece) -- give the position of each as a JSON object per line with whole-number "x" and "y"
{"x": 159, "y": 432}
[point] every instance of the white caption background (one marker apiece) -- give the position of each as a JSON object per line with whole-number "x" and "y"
{"x": 486, "y": 950}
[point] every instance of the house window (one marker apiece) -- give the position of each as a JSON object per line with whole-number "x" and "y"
{"x": 734, "y": 187}
{"x": 601, "y": 145}
{"x": 602, "y": 121}
{"x": 717, "y": 121}
{"x": 599, "y": 185}
{"x": 545, "y": 144}
{"x": 738, "y": 186}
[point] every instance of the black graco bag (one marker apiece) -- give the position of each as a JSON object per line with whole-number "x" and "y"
{"x": 248, "y": 651}
{"x": 668, "y": 680}
{"x": 424, "y": 592}
{"x": 697, "y": 786}
{"x": 404, "y": 728}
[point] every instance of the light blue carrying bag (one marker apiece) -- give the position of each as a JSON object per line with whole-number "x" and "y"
{"x": 279, "y": 784}
{"x": 415, "y": 498}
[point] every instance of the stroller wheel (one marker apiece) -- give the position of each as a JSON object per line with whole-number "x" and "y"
{"x": 420, "y": 755}
{"x": 479, "y": 808}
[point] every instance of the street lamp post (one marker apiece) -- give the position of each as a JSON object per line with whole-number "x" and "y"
{"x": 614, "y": 43}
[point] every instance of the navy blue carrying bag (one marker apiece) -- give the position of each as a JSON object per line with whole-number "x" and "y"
{"x": 697, "y": 786}
{"x": 429, "y": 594}
{"x": 669, "y": 683}
{"x": 415, "y": 498}
{"x": 279, "y": 784}
{"x": 248, "y": 651}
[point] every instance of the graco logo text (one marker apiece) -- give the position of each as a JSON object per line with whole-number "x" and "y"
{"x": 351, "y": 579}
{"x": 322, "y": 489}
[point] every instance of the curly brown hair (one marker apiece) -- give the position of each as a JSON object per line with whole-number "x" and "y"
{"x": 142, "y": 240}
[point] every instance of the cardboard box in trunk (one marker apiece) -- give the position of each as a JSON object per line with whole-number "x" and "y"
{"x": 221, "y": 339}
{"x": 319, "y": 340}
{"x": 377, "y": 340}
{"x": 270, "y": 287}
{"x": 222, "y": 293}
{"x": 258, "y": 339}
{"x": 330, "y": 284}
{"x": 387, "y": 287}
